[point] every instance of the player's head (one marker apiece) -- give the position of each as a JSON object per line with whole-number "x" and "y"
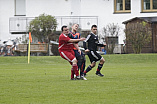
{"x": 65, "y": 30}
{"x": 63, "y": 27}
{"x": 75, "y": 27}
{"x": 94, "y": 29}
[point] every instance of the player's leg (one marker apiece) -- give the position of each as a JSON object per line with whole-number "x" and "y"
{"x": 72, "y": 72}
{"x": 75, "y": 67}
{"x": 97, "y": 57}
{"x": 83, "y": 60}
{"x": 94, "y": 57}
{"x": 70, "y": 56}
{"x": 81, "y": 77}
{"x": 89, "y": 68}
{"x": 83, "y": 63}
{"x": 93, "y": 63}
{"x": 78, "y": 57}
{"x": 102, "y": 61}
{"x": 80, "y": 62}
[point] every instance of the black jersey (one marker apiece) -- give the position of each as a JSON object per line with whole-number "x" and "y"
{"x": 92, "y": 41}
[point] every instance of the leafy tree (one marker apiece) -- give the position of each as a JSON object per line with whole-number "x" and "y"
{"x": 42, "y": 26}
{"x": 138, "y": 35}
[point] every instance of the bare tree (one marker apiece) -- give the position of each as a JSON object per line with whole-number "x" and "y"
{"x": 138, "y": 35}
{"x": 111, "y": 31}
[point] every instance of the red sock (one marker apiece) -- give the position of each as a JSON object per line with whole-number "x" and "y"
{"x": 98, "y": 70}
{"x": 85, "y": 71}
{"x": 72, "y": 73}
{"x": 75, "y": 67}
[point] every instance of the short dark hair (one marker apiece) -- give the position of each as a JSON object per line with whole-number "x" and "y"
{"x": 63, "y": 27}
{"x": 94, "y": 26}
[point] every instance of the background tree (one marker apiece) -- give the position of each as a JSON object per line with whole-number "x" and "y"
{"x": 138, "y": 35}
{"x": 110, "y": 31}
{"x": 42, "y": 26}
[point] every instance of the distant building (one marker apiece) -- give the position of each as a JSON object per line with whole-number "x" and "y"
{"x": 150, "y": 47}
{"x": 15, "y": 15}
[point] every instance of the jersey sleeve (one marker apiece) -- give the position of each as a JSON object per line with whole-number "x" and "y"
{"x": 101, "y": 45}
{"x": 84, "y": 45}
{"x": 88, "y": 37}
{"x": 65, "y": 39}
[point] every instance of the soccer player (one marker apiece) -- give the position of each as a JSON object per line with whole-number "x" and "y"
{"x": 78, "y": 53}
{"x": 93, "y": 42}
{"x": 65, "y": 48}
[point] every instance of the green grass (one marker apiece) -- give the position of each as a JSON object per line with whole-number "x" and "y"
{"x": 129, "y": 79}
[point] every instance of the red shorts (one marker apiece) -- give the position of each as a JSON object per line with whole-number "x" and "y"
{"x": 68, "y": 55}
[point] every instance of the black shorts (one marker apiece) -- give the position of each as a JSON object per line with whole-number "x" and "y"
{"x": 94, "y": 56}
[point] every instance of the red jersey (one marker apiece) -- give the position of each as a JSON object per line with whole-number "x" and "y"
{"x": 64, "y": 45}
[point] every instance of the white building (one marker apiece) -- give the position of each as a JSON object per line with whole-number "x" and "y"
{"x": 16, "y": 14}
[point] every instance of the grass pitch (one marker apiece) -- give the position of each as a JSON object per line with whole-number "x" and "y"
{"x": 129, "y": 79}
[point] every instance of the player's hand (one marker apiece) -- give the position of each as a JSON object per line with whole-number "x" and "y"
{"x": 79, "y": 51}
{"x": 82, "y": 39}
{"x": 104, "y": 44}
{"x": 87, "y": 50}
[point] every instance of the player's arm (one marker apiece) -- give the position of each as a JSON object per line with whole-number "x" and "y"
{"x": 77, "y": 47}
{"x": 84, "y": 43}
{"x": 85, "y": 47}
{"x": 76, "y": 40}
{"x": 101, "y": 45}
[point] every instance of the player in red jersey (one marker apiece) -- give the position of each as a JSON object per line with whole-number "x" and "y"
{"x": 65, "y": 48}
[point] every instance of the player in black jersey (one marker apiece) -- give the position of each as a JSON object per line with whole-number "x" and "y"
{"x": 92, "y": 40}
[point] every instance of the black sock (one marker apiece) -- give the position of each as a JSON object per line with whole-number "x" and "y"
{"x": 88, "y": 69}
{"x": 99, "y": 67}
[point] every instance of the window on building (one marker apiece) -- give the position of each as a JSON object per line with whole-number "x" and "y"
{"x": 154, "y": 4}
{"x": 122, "y": 6}
{"x": 149, "y": 5}
{"x": 20, "y": 8}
